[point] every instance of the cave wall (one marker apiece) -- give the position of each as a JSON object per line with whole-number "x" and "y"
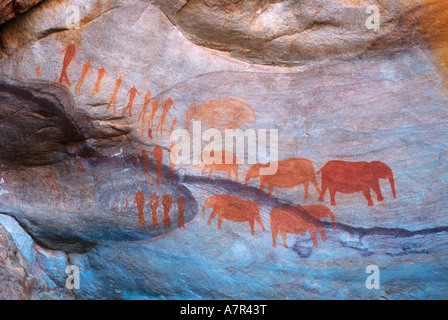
{"x": 86, "y": 156}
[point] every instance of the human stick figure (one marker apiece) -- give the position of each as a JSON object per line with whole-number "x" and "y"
{"x": 181, "y": 201}
{"x": 70, "y": 53}
{"x": 166, "y": 106}
{"x": 166, "y": 202}
{"x": 113, "y": 99}
{"x": 86, "y": 69}
{"x": 147, "y": 100}
{"x": 140, "y": 202}
{"x": 101, "y": 74}
{"x": 158, "y": 157}
{"x": 154, "y": 108}
{"x": 141, "y": 116}
{"x": 131, "y": 93}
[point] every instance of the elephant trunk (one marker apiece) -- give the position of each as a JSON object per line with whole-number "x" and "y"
{"x": 392, "y": 183}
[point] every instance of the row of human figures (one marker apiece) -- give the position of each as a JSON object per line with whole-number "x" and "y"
{"x": 165, "y": 104}
{"x": 218, "y": 113}
{"x": 154, "y": 201}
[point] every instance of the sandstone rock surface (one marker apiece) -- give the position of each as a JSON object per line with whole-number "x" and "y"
{"x": 81, "y": 162}
{"x": 12, "y": 8}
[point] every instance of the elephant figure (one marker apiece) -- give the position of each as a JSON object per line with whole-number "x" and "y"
{"x": 290, "y": 173}
{"x": 234, "y": 209}
{"x": 351, "y": 177}
{"x": 221, "y": 114}
{"x": 297, "y": 220}
{"x": 210, "y": 162}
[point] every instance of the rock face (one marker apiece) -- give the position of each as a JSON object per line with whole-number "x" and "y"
{"x": 15, "y": 282}
{"x": 12, "y": 8}
{"x": 95, "y": 97}
{"x": 289, "y": 32}
{"x": 18, "y": 279}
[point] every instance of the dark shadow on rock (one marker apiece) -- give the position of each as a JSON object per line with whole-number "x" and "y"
{"x": 38, "y": 123}
{"x": 302, "y": 252}
{"x": 48, "y": 153}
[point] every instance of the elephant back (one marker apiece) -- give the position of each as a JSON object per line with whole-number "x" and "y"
{"x": 224, "y": 114}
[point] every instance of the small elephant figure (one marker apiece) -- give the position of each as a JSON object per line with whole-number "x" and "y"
{"x": 234, "y": 209}
{"x": 221, "y": 114}
{"x": 297, "y": 220}
{"x": 351, "y": 177}
{"x": 209, "y": 160}
{"x": 290, "y": 173}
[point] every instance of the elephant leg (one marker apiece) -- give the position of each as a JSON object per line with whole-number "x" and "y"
{"x": 377, "y": 190}
{"x": 204, "y": 169}
{"x": 283, "y": 233}
{"x": 321, "y": 230}
{"x": 212, "y": 216}
{"x": 274, "y": 237}
{"x": 366, "y": 193}
{"x": 314, "y": 182}
{"x": 252, "y": 226}
{"x": 322, "y": 192}
{"x": 306, "y": 186}
{"x": 332, "y": 196}
{"x": 258, "y": 219}
{"x": 220, "y": 221}
{"x": 312, "y": 233}
{"x": 235, "y": 170}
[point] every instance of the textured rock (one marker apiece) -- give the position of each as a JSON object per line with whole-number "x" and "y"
{"x": 12, "y": 8}
{"x": 288, "y": 32}
{"x": 18, "y": 279}
{"x": 80, "y": 173}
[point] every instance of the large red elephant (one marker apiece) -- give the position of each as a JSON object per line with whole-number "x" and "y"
{"x": 290, "y": 173}
{"x": 351, "y": 177}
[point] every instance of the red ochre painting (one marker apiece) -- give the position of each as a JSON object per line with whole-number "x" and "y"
{"x": 224, "y": 150}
